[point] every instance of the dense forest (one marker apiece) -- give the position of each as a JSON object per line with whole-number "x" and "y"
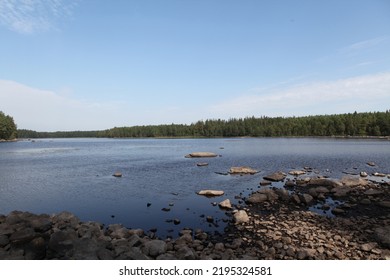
{"x": 8, "y": 130}
{"x": 352, "y": 124}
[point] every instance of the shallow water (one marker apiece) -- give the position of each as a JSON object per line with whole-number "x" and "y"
{"x": 53, "y": 175}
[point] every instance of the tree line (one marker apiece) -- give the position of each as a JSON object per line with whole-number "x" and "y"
{"x": 351, "y": 124}
{"x": 8, "y": 129}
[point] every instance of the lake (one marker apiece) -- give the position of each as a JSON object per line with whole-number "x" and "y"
{"x": 54, "y": 175}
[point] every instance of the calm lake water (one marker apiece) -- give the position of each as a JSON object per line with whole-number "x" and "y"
{"x": 53, "y": 175}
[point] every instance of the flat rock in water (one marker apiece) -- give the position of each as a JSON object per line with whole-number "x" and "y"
{"x": 211, "y": 192}
{"x": 276, "y": 177}
{"x": 225, "y": 204}
{"x": 201, "y": 154}
{"x": 117, "y": 174}
{"x": 297, "y": 172}
{"x": 242, "y": 170}
{"x": 200, "y": 164}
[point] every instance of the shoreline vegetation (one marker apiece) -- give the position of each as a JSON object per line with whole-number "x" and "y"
{"x": 351, "y": 125}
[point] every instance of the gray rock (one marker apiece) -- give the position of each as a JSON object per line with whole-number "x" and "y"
{"x": 297, "y": 172}
{"x": 62, "y": 241}
{"x": 23, "y": 236}
{"x": 226, "y": 204}
{"x": 3, "y": 240}
{"x": 306, "y": 198}
{"x": 353, "y": 182}
{"x": 185, "y": 253}
{"x": 211, "y": 192}
{"x": 65, "y": 219}
{"x": 242, "y": 170}
{"x": 241, "y": 217}
{"x": 40, "y": 223}
{"x": 154, "y": 248}
{"x": 373, "y": 192}
{"x": 323, "y": 182}
{"x": 382, "y": 235}
{"x": 117, "y": 231}
{"x": 276, "y": 177}
{"x": 201, "y": 155}
{"x": 385, "y": 204}
{"x": 257, "y": 198}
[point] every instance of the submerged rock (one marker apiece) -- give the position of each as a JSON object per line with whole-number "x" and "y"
{"x": 201, "y": 154}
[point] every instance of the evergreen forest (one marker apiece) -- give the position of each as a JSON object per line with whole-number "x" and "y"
{"x": 341, "y": 125}
{"x": 8, "y": 129}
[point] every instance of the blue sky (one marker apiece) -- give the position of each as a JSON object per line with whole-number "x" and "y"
{"x": 89, "y": 64}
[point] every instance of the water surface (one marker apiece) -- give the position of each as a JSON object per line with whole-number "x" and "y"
{"x": 53, "y": 175}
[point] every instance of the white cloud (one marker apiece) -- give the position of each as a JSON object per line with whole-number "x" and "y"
{"x": 45, "y": 110}
{"x": 30, "y": 16}
{"x": 362, "y": 93}
{"x": 366, "y": 44}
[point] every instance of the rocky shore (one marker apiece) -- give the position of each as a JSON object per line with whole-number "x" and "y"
{"x": 271, "y": 223}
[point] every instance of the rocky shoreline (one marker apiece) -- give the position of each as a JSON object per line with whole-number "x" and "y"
{"x": 271, "y": 223}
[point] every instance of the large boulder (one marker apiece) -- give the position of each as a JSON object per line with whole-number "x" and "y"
{"x": 352, "y": 182}
{"x": 201, "y": 155}
{"x": 323, "y": 182}
{"x": 276, "y": 177}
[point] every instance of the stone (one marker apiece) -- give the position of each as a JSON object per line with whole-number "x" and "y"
{"x": 22, "y": 236}
{"x": 200, "y": 164}
{"x": 276, "y": 177}
{"x": 62, "y": 241}
{"x": 241, "y": 217}
{"x": 337, "y": 211}
{"x": 257, "y": 198}
{"x": 297, "y": 172}
{"x": 373, "y": 192}
{"x": 211, "y": 192}
{"x": 201, "y": 155}
{"x": 40, "y": 224}
{"x": 117, "y": 231}
{"x": 265, "y": 183}
{"x": 64, "y": 219}
{"x": 3, "y": 240}
{"x": 185, "y": 253}
{"x": 306, "y": 198}
{"x": 363, "y": 174}
{"x": 226, "y": 204}
{"x": 385, "y": 204}
{"x": 371, "y": 163}
{"x": 242, "y": 170}
{"x": 368, "y": 246}
{"x": 382, "y": 235}
{"x": 117, "y": 174}
{"x": 377, "y": 174}
{"x": 155, "y": 248}
{"x": 353, "y": 182}
{"x": 323, "y": 182}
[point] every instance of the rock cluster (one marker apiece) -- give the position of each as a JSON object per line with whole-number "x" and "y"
{"x": 275, "y": 223}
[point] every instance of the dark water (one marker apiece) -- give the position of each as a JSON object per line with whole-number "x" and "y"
{"x": 49, "y": 176}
